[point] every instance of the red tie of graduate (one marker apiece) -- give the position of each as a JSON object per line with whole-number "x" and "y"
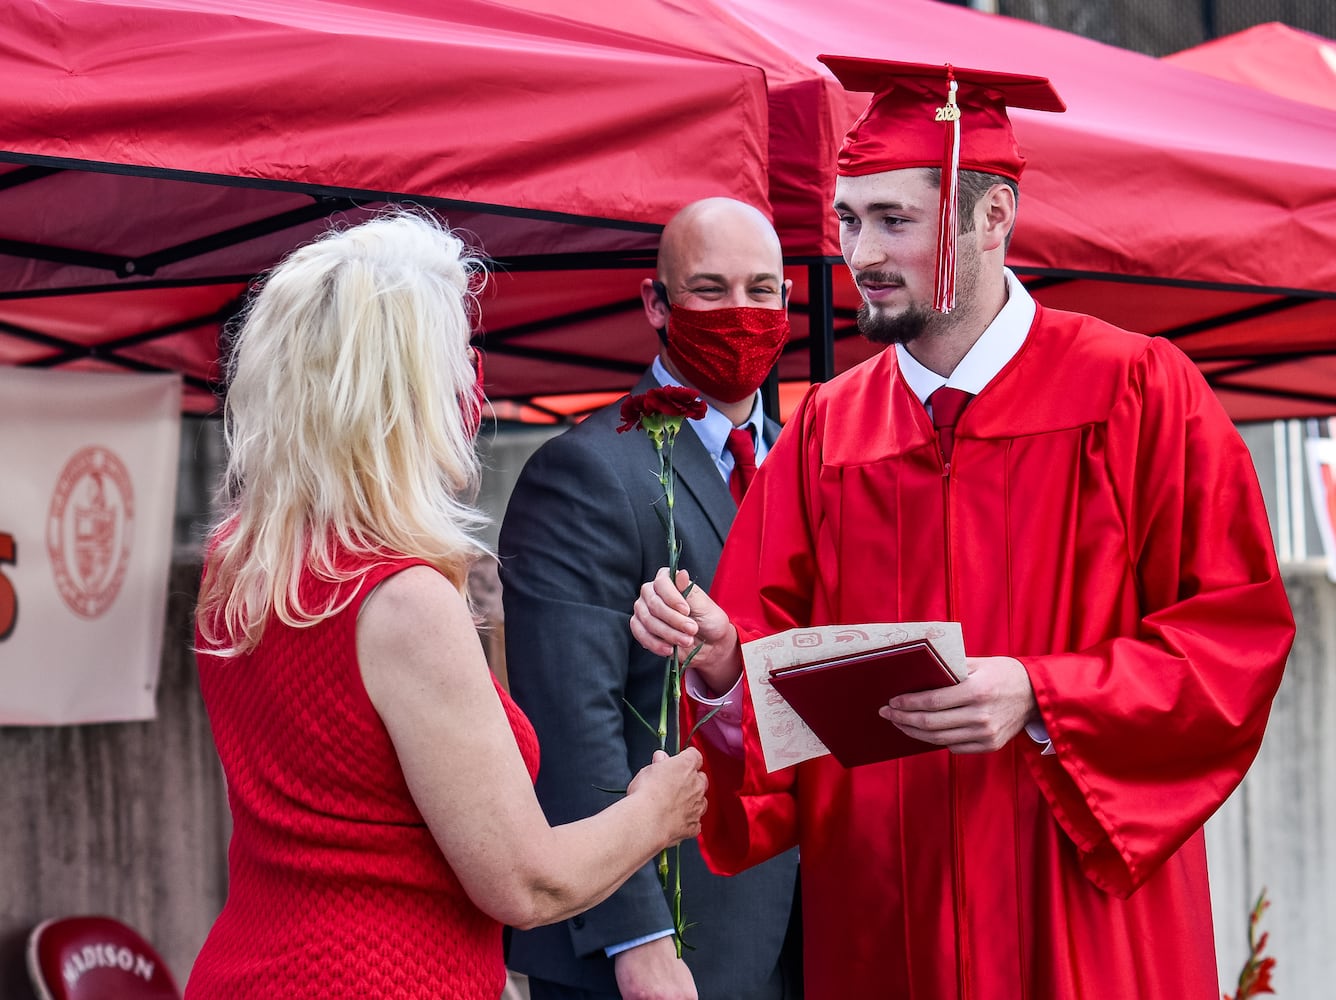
{"x": 947, "y": 404}
{"x": 743, "y": 449}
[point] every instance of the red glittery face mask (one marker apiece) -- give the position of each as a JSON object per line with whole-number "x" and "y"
{"x": 726, "y": 353}
{"x": 472, "y": 401}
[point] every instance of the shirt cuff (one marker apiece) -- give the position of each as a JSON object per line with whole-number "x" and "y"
{"x": 1038, "y": 732}
{"x": 724, "y": 728}
{"x": 617, "y": 949}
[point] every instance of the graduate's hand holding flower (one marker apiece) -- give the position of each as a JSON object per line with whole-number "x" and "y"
{"x": 683, "y": 615}
{"x": 979, "y": 715}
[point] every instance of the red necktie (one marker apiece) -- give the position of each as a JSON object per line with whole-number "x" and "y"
{"x": 947, "y": 404}
{"x": 743, "y": 449}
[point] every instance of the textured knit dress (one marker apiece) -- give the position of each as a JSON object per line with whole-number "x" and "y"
{"x": 337, "y": 888}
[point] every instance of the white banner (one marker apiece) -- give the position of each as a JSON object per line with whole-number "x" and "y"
{"x": 88, "y": 466}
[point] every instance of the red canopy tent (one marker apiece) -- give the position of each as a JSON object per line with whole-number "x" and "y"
{"x": 1298, "y": 65}
{"x": 155, "y": 156}
{"x": 1164, "y": 201}
{"x": 1273, "y": 57}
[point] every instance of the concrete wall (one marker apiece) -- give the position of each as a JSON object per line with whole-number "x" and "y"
{"x": 1278, "y": 830}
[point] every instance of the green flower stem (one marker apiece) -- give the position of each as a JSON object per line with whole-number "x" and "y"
{"x": 662, "y": 432}
{"x": 678, "y": 927}
{"x": 672, "y": 672}
{"x": 666, "y": 482}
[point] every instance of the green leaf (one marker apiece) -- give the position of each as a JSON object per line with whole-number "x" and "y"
{"x": 653, "y": 729}
{"x": 701, "y": 721}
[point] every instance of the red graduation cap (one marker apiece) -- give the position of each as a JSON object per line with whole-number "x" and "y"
{"x": 924, "y": 115}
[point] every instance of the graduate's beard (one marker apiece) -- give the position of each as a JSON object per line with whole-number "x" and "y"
{"x": 916, "y": 319}
{"x": 899, "y": 328}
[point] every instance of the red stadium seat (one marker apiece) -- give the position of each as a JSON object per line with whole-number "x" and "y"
{"x": 96, "y": 958}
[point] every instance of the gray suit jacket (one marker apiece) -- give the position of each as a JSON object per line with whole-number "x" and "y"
{"x": 580, "y": 536}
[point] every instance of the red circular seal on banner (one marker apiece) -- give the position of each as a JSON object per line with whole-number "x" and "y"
{"x": 88, "y": 530}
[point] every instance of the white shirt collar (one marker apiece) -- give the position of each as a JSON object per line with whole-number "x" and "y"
{"x": 713, "y": 428}
{"x": 996, "y": 346}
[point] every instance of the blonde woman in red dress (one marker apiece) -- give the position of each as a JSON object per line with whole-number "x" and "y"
{"x": 381, "y": 782}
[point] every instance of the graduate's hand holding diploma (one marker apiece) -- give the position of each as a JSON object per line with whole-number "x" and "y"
{"x": 664, "y": 618}
{"x": 978, "y": 715}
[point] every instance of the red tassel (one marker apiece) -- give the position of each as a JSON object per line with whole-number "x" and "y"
{"x": 944, "y": 294}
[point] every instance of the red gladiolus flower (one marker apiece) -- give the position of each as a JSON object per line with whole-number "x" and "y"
{"x": 1255, "y": 979}
{"x": 1262, "y": 981}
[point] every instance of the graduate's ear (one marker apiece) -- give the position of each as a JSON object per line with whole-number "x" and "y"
{"x": 994, "y": 216}
{"x": 655, "y": 299}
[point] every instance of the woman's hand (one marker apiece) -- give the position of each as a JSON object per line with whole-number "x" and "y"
{"x": 673, "y": 789}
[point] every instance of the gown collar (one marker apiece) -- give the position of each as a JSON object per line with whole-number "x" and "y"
{"x": 996, "y": 346}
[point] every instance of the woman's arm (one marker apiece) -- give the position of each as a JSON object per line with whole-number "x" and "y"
{"x": 424, "y": 671}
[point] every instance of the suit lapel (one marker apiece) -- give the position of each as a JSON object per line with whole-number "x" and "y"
{"x": 697, "y": 473}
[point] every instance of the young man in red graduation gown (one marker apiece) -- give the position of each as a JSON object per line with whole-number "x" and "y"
{"x": 1080, "y": 503}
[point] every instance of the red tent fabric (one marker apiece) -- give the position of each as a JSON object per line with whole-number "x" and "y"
{"x": 1301, "y": 66}
{"x": 154, "y": 156}
{"x": 1163, "y": 201}
{"x": 1273, "y": 57}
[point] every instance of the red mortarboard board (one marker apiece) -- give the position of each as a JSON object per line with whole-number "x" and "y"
{"x": 924, "y": 115}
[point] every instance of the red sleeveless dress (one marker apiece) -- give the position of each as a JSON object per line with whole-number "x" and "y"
{"x": 337, "y": 888}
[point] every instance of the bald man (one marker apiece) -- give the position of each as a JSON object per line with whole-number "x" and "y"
{"x": 580, "y": 535}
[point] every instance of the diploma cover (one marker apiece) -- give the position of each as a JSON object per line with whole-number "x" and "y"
{"x": 817, "y": 690}
{"x": 839, "y": 697}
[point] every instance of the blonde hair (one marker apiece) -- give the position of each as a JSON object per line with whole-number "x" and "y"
{"x": 343, "y": 424}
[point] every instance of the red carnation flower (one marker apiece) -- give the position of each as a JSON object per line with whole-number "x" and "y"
{"x": 669, "y": 403}
{"x": 674, "y": 401}
{"x": 633, "y": 409}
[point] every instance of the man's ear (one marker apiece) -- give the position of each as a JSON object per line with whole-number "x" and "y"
{"x": 655, "y": 298}
{"x": 788, "y": 291}
{"x": 995, "y": 215}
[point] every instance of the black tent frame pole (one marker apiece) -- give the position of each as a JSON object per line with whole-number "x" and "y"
{"x": 770, "y": 394}
{"x": 820, "y": 330}
{"x": 821, "y": 321}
